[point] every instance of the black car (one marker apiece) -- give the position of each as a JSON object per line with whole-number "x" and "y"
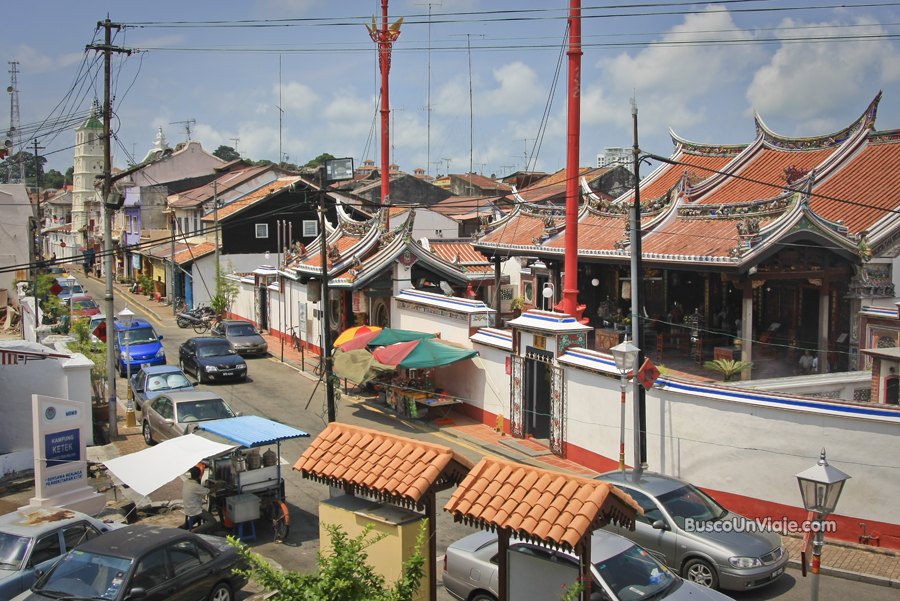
{"x": 211, "y": 359}
{"x": 144, "y": 562}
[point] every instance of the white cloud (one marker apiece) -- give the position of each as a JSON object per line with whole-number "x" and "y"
{"x": 519, "y": 90}
{"x": 298, "y": 98}
{"x": 807, "y": 82}
{"x": 32, "y": 60}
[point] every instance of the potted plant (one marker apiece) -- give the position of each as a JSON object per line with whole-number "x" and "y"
{"x": 517, "y": 304}
{"x": 729, "y": 368}
{"x": 146, "y": 285}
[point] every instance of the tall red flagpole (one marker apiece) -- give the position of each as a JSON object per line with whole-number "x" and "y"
{"x": 385, "y": 38}
{"x": 570, "y": 285}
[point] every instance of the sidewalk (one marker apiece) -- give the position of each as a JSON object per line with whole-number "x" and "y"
{"x": 843, "y": 560}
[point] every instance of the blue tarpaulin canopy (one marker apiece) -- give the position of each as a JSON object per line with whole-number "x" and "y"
{"x": 251, "y": 430}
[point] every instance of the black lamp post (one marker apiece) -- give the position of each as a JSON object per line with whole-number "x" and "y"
{"x": 625, "y": 355}
{"x": 820, "y": 487}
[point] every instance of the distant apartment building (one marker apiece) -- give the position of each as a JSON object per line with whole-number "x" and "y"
{"x": 612, "y": 156}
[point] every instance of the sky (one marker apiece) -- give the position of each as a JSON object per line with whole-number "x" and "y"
{"x": 473, "y": 83}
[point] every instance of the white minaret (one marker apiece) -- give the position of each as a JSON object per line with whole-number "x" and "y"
{"x": 88, "y": 165}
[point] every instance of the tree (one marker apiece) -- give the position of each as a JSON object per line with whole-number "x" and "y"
{"x": 344, "y": 573}
{"x": 11, "y": 164}
{"x": 95, "y": 351}
{"x": 53, "y": 179}
{"x": 226, "y": 153}
{"x": 226, "y": 292}
{"x": 319, "y": 160}
{"x": 70, "y": 175}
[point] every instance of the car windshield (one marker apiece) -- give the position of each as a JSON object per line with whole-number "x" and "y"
{"x": 214, "y": 349}
{"x": 634, "y": 574}
{"x": 84, "y": 304}
{"x": 691, "y": 502}
{"x": 12, "y": 550}
{"x": 243, "y": 329}
{"x": 138, "y": 336}
{"x": 201, "y": 411}
{"x": 85, "y": 575}
{"x": 166, "y": 382}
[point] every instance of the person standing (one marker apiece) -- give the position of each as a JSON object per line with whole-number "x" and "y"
{"x": 193, "y": 498}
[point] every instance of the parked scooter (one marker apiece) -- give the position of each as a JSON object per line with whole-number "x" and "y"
{"x": 198, "y": 317}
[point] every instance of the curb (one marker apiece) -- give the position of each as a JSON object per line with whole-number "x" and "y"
{"x": 849, "y": 575}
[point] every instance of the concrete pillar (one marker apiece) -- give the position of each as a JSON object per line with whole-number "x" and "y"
{"x": 824, "y": 321}
{"x": 747, "y": 328}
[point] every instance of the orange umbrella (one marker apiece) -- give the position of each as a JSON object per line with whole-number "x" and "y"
{"x": 351, "y": 333}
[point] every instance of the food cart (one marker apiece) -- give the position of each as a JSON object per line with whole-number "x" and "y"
{"x": 241, "y": 489}
{"x": 245, "y": 483}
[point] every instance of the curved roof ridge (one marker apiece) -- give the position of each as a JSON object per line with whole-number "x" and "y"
{"x": 714, "y": 180}
{"x": 775, "y": 140}
{"x": 691, "y": 147}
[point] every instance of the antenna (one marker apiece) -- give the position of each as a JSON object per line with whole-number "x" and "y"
{"x": 428, "y": 105}
{"x": 438, "y": 163}
{"x": 187, "y": 126}
{"x": 280, "y": 113}
{"x": 525, "y": 142}
{"x": 14, "y": 143}
{"x": 235, "y": 140}
{"x": 448, "y": 165}
{"x": 506, "y": 168}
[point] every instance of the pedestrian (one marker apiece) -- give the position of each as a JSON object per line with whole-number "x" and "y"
{"x": 193, "y": 498}
{"x": 806, "y": 362}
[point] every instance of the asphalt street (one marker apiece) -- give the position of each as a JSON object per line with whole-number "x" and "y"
{"x": 280, "y": 392}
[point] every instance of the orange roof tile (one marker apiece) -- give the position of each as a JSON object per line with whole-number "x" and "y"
{"x": 464, "y": 251}
{"x": 767, "y": 170}
{"x": 253, "y": 197}
{"x": 701, "y": 167}
{"x": 596, "y": 232}
{"x": 870, "y": 180}
{"x": 371, "y": 462}
{"x": 522, "y": 228}
{"x": 538, "y": 504}
{"x": 194, "y": 252}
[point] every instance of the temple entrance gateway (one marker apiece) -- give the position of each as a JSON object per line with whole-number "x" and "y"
{"x": 537, "y": 393}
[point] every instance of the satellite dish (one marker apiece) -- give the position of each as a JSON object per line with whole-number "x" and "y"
{"x": 448, "y": 290}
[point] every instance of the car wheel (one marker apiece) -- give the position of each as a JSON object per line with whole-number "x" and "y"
{"x": 221, "y": 592}
{"x": 700, "y": 572}
{"x": 148, "y": 434}
{"x": 482, "y": 597}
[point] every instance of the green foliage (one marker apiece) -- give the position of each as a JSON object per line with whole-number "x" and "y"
{"x": 146, "y": 283}
{"x": 728, "y": 367}
{"x": 95, "y": 351}
{"x": 30, "y": 167}
{"x": 344, "y": 573}
{"x": 319, "y": 160}
{"x": 226, "y": 153}
{"x": 226, "y": 292}
{"x": 53, "y": 179}
{"x": 517, "y": 303}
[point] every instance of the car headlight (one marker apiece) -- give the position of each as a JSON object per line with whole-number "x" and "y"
{"x": 124, "y": 356}
{"x": 241, "y": 366}
{"x": 161, "y": 353}
{"x": 210, "y": 368}
{"x": 745, "y": 562}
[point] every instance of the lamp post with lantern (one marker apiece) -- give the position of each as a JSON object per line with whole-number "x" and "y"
{"x": 126, "y": 316}
{"x": 820, "y": 487}
{"x": 625, "y": 355}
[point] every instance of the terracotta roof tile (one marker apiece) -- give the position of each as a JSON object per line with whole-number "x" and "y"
{"x": 194, "y": 252}
{"x": 388, "y": 466}
{"x": 538, "y": 504}
{"x": 253, "y": 197}
{"x": 701, "y": 167}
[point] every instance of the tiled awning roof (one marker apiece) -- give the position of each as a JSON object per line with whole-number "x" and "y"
{"x": 538, "y": 505}
{"x": 394, "y": 469}
{"x": 193, "y": 252}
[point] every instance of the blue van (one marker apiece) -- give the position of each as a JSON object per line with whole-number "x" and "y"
{"x": 143, "y": 343}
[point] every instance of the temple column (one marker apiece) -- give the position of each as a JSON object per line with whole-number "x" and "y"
{"x": 747, "y": 327}
{"x": 824, "y": 324}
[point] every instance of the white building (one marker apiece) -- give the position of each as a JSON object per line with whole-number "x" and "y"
{"x": 612, "y": 156}
{"x": 86, "y": 201}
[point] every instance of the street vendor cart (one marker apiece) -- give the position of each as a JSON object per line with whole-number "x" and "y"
{"x": 245, "y": 483}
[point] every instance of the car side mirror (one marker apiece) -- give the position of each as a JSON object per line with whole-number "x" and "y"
{"x": 660, "y": 525}
{"x": 160, "y": 337}
{"x": 137, "y": 592}
{"x": 169, "y": 421}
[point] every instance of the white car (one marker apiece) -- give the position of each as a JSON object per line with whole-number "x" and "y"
{"x": 34, "y": 538}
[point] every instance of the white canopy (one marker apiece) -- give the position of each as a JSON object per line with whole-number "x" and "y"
{"x": 147, "y": 470}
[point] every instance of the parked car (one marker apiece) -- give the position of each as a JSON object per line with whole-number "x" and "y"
{"x": 174, "y": 414}
{"x": 211, "y": 359}
{"x": 245, "y": 339}
{"x": 689, "y": 531}
{"x": 69, "y": 287}
{"x": 145, "y": 562}
{"x": 32, "y": 539}
{"x": 143, "y": 344}
{"x": 97, "y": 327}
{"x": 82, "y": 305}
{"x": 621, "y": 571}
{"x": 150, "y": 381}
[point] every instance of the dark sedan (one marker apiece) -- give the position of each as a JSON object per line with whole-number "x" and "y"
{"x": 144, "y": 562}
{"x": 243, "y": 336}
{"x": 211, "y": 359}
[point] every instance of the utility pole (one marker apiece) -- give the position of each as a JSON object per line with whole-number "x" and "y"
{"x": 637, "y": 299}
{"x": 325, "y": 302}
{"x": 14, "y": 133}
{"x": 216, "y": 229}
{"x": 35, "y": 245}
{"x": 108, "y": 49}
{"x": 280, "y": 113}
{"x": 573, "y": 147}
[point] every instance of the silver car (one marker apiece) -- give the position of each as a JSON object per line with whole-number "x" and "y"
{"x": 245, "y": 339}
{"x": 176, "y": 413}
{"x": 689, "y": 531}
{"x": 622, "y": 571}
{"x": 33, "y": 538}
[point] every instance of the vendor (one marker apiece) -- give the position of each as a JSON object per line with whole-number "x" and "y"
{"x": 193, "y": 498}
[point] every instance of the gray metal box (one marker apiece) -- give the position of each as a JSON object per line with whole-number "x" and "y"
{"x": 242, "y": 508}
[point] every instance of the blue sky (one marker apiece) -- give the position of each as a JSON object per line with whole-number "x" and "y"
{"x": 806, "y": 72}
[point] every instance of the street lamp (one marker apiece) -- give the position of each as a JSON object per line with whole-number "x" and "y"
{"x": 126, "y": 316}
{"x": 547, "y": 293}
{"x": 820, "y": 487}
{"x": 625, "y": 355}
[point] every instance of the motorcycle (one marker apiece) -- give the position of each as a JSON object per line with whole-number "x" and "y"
{"x": 198, "y": 318}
